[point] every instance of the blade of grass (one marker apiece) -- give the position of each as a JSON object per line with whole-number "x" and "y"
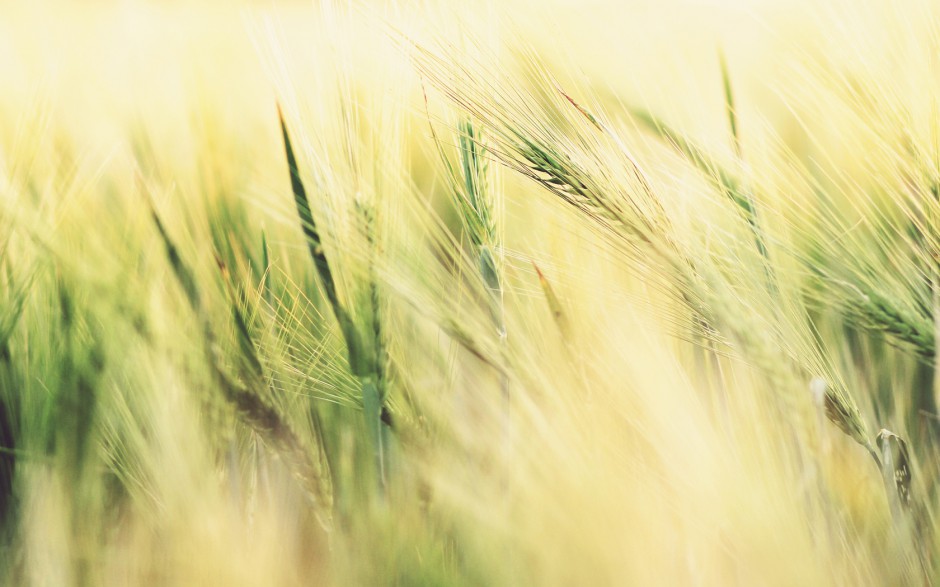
{"x": 361, "y": 364}
{"x": 358, "y": 362}
{"x": 729, "y": 103}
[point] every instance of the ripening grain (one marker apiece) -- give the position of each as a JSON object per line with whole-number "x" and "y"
{"x": 442, "y": 293}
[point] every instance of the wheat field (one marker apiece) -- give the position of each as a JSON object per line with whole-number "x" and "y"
{"x": 427, "y": 292}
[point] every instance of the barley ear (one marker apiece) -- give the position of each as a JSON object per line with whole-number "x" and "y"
{"x": 845, "y": 416}
{"x": 264, "y": 419}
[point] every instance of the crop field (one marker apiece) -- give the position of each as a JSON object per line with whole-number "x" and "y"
{"x": 496, "y": 293}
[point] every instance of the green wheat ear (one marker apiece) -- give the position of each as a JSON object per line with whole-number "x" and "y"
{"x": 244, "y": 397}
{"x": 842, "y": 412}
{"x": 845, "y": 417}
